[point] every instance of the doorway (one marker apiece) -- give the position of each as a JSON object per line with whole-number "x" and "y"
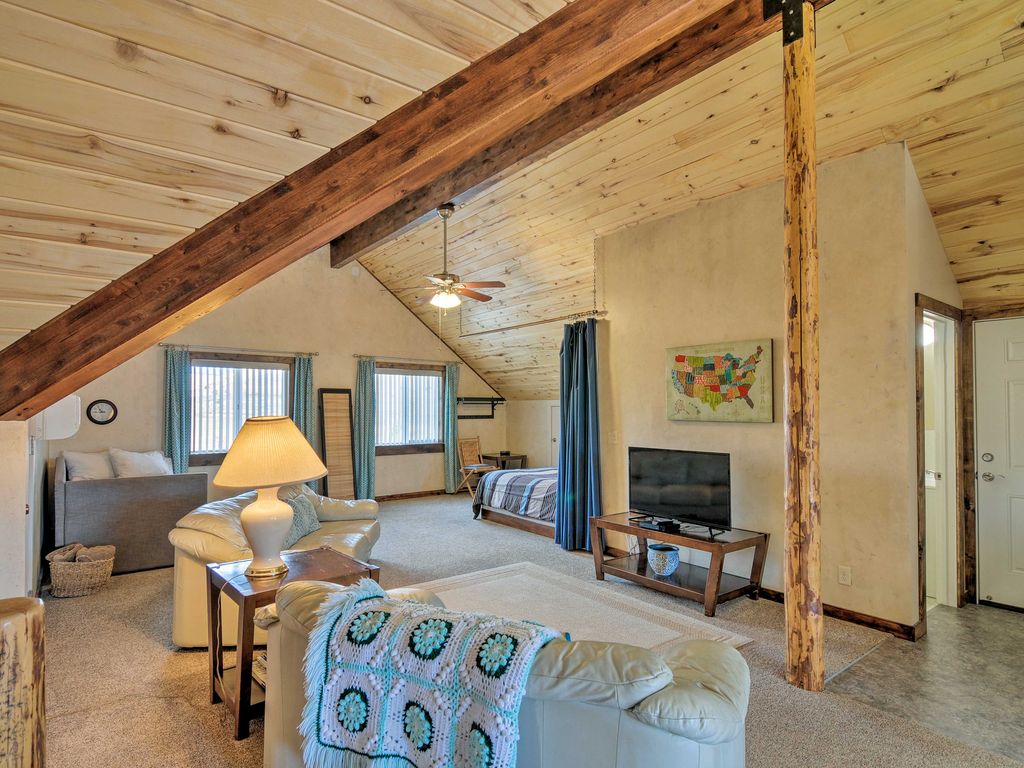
{"x": 555, "y": 434}
{"x": 999, "y": 460}
{"x": 938, "y": 338}
{"x": 940, "y": 457}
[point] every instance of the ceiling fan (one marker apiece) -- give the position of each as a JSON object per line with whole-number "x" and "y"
{"x": 449, "y": 288}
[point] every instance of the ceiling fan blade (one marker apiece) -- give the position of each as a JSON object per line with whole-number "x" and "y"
{"x": 484, "y": 284}
{"x": 435, "y": 280}
{"x": 421, "y": 300}
{"x": 463, "y": 291}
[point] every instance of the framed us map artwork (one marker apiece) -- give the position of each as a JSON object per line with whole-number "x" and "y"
{"x": 731, "y": 381}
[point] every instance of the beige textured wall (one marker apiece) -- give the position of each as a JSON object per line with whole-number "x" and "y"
{"x": 529, "y": 428}
{"x": 714, "y": 273}
{"x": 307, "y": 307}
{"x": 14, "y": 523}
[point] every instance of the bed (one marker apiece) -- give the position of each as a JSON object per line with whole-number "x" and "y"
{"x": 522, "y": 498}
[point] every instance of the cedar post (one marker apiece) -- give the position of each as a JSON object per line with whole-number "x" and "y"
{"x": 805, "y": 663}
{"x": 23, "y": 725}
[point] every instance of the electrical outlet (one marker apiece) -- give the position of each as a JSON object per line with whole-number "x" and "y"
{"x": 845, "y": 575}
{"x": 613, "y": 437}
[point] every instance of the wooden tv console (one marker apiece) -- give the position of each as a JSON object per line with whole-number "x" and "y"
{"x": 709, "y": 586}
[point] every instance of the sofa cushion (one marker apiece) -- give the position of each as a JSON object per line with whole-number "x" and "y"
{"x": 132, "y": 464}
{"x": 88, "y": 466}
{"x": 221, "y": 518}
{"x": 609, "y": 674}
{"x": 355, "y": 539}
{"x": 707, "y": 700}
{"x": 304, "y": 520}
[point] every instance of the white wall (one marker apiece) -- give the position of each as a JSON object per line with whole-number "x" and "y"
{"x": 307, "y": 307}
{"x": 529, "y": 430}
{"x": 15, "y": 525}
{"x": 715, "y": 273}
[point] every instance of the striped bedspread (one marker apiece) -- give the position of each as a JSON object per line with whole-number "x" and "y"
{"x": 526, "y": 492}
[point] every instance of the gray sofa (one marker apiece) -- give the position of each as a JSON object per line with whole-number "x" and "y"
{"x": 135, "y": 514}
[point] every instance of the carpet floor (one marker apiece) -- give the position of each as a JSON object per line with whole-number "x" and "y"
{"x": 119, "y": 695}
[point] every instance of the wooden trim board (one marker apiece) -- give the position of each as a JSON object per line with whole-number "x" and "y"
{"x": 411, "y": 495}
{"x": 902, "y": 631}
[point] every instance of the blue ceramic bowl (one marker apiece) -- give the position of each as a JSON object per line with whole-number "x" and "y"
{"x": 663, "y": 558}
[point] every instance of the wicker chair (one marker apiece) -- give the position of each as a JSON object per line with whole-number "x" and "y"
{"x": 471, "y": 463}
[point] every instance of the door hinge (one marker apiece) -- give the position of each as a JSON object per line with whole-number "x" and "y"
{"x": 792, "y": 17}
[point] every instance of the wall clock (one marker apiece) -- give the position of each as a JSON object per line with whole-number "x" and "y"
{"x": 101, "y": 412}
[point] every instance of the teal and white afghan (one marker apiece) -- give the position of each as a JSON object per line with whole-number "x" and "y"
{"x": 397, "y": 683}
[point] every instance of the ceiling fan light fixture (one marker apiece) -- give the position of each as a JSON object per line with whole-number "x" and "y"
{"x": 445, "y": 300}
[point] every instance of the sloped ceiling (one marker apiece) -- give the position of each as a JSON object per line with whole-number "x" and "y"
{"x": 125, "y": 124}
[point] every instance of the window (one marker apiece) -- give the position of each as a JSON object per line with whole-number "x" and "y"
{"x": 228, "y": 389}
{"x": 408, "y": 412}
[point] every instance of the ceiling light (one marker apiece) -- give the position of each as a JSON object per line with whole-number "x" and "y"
{"x": 445, "y": 300}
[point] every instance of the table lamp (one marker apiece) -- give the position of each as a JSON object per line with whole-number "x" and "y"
{"x": 268, "y": 452}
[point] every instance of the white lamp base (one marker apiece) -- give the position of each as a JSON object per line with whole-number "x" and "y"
{"x": 266, "y": 523}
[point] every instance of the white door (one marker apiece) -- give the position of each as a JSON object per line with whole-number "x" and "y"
{"x": 939, "y": 446}
{"x": 999, "y": 415}
{"x": 555, "y": 434}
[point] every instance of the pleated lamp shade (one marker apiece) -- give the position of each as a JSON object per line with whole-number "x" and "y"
{"x": 267, "y": 452}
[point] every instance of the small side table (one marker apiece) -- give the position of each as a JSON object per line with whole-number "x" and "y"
{"x": 709, "y": 586}
{"x": 234, "y": 685}
{"x": 503, "y": 460}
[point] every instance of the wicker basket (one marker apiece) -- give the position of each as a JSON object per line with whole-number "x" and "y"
{"x": 74, "y": 579}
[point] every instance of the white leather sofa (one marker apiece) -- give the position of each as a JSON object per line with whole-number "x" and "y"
{"x": 587, "y": 704}
{"x": 213, "y": 533}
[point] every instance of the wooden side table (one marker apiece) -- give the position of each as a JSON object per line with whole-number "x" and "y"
{"x": 234, "y": 685}
{"x": 709, "y": 586}
{"x": 503, "y": 460}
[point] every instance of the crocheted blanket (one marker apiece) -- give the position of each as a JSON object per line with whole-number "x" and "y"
{"x": 398, "y": 683}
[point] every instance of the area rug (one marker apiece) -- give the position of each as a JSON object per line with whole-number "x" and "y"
{"x": 586, "y": 610}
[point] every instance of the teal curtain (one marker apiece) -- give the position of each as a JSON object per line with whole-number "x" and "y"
{"x": 451, "y": 427}
{"x": 364, "y": 427}
{"x": 579, "y": 454}
{"x": 302, "y": 402}
{"x": 177, "y": 407}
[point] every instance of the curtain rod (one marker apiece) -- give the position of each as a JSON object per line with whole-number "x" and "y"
{"x": 406, "y": 359}
{"x": 239, "y": 350}
{"x": 564, "y": 318}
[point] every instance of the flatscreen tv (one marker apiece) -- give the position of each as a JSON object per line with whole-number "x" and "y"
{"x": 688, "y": 486}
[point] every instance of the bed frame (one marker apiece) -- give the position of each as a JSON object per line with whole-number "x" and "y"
{"x": 514, "y": 521}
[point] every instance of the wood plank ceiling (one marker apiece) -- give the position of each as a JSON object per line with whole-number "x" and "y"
{"x": 125, "y": 124}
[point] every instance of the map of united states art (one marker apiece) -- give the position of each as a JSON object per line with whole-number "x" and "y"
{"x": 731, "y": 381}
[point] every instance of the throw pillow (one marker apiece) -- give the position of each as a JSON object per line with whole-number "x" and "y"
{"x": 131, "y": 464}
{"x": 304, "y": 520}
{"x": 88, "y": 466}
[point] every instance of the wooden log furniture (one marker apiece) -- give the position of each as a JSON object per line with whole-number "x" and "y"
{"x": 709, "y": 586}
{"x": 234, "y": 685}
{"x": 23, "y": 724}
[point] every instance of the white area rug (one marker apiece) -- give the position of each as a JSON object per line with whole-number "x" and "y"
{"x": 587, "y": 611}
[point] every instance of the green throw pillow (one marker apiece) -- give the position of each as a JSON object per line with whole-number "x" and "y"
{"x": 304, "y": 520}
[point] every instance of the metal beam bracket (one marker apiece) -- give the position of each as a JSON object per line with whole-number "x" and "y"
{"x": 792, "y": 17}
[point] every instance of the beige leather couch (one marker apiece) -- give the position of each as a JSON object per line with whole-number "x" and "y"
{"x": 587, "y": 704}
{"x": 213, "y": 533}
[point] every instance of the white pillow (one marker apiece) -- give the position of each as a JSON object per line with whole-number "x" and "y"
{"x": 129, "y": 464}
{"x": 88, "y": 466}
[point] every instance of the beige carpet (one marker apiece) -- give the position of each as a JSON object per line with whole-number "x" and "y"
{"x": 120, "y": 696}
{"x": 584, "y": 609}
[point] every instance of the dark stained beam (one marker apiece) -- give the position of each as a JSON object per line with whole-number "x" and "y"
{"x": 571, "y": 52}
{"x": 725, "y": 32}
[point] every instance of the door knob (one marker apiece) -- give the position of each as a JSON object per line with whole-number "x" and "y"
{"x": 988, "y": 477}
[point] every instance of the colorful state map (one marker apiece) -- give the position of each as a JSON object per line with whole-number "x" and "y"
{"x": 716, "y": 379}
{"x": 728, "y": 381}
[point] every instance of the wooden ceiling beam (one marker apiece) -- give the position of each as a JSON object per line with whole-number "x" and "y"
{"x": 723, "y": 33}
{"x": 570, "y": 53}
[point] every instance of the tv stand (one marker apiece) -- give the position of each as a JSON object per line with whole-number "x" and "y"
{"x": 709, "y": 586}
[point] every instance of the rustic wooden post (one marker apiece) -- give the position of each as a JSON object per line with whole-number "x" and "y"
{"x": 805, "y": 663}
{"x": 23, "y": 723}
